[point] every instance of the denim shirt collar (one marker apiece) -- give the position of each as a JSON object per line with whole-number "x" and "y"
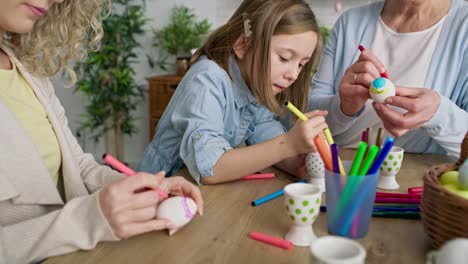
{"x": 242, "y": 94}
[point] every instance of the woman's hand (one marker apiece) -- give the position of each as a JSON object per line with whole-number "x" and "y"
{"x": 301, "y": 135}
{"x": 131, "y": 211}
{"x": 354, "y": 86}
{"x": 179, "y": 186}
{"x": 420, "y": 103}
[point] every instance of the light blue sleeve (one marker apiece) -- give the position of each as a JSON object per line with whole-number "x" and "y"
{"x": 266, "y": 127}
{"x": 323, "y": 94}
{"x": 199, "y": 118}
{"x": 449, "y": 124}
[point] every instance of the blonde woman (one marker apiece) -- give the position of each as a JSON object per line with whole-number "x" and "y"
{"x": 54, "y": 198}
{"x": 238, "y": 83}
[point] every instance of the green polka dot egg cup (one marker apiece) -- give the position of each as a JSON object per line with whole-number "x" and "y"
{"x": 390, "y": 168}
{"x": 316, "y": 170}
{"x": 302, "y": 202}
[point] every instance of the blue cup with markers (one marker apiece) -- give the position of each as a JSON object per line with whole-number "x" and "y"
{"x": 349, "y": 215}
{"x": 350, "y": 198}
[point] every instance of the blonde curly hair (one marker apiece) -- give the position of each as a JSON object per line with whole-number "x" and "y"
{"x": 64, "y": 35}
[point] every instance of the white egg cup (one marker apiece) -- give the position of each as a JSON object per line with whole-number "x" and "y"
{"x": 178, "y": 209}
{"x": 302, "y": 201}
{"x": 390, "y": 168}
{"x": 337, "y": 250}
{"x": 316, "y": 170}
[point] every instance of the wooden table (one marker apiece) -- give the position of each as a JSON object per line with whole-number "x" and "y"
{"x": 221, "y": 234}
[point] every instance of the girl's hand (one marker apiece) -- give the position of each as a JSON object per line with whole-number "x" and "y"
{"x": 302, "y": 134}
{"x": 354, "y": 86}
{"x": 128, "y": 210}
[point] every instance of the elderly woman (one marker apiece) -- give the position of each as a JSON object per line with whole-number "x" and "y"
{"x": 422, "y": 45}
{"x": 54, "y": 198}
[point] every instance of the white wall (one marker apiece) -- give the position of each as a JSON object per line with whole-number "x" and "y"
{"x": 217, "y": 12}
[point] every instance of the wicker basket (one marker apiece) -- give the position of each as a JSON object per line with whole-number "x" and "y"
{"x": 444, "y": 214}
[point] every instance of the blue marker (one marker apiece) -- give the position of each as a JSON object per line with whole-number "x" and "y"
{"x": 382, "y": 155}
{"x": 270, "y": 196}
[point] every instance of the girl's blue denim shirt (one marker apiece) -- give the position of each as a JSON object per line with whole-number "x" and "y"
{"x": 209, "y": 114}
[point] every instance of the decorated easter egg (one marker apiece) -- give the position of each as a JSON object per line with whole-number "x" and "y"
{"x": 315, "y": 169}
{"x": 463, "y": 175}
{"x": 179, "y": 210}
{"x": 380, "y": 89}
{"x": 449, "y": 177}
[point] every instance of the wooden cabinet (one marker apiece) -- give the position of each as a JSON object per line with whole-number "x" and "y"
{"x": 161, "y": 89}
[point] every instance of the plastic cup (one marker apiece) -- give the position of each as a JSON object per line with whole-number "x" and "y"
{"x": 350, "y": 200}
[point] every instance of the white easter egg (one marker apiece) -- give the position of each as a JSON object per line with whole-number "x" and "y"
{"x": 463, "y": 175}
{"x": 380, "y": 89}
{"x": 179, "y": 210}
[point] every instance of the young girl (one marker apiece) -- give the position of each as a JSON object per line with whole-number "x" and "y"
{"x": 54, "y": 198}
{"x": 248, "y": 68}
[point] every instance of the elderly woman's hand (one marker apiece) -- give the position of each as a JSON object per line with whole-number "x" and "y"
{"x": 354, "y": 87}
{"x": 420, "y": 103}
{"x": 130, "y": 205}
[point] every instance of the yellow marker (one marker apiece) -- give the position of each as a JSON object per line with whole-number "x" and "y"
{"x": 296, "y": 111}
{"x": 330, "y": 141}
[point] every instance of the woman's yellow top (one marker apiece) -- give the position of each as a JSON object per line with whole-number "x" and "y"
{"x": 20, "y": 98}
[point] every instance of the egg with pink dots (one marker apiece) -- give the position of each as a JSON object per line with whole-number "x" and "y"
{"x": 381, "y": 89}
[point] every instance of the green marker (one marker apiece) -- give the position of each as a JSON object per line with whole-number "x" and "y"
{"x": 358, "y": 159}
{"x": 369, "y": 159}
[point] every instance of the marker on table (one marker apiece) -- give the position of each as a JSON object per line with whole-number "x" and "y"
{"x": 321, "y": 145}
{"x": 274, "y": 241}
{"x": 257, "y": 176}
{"x": 270, "y": 196}
{"x": 384, "y": 74}
{"x": 116, "y": 164}
{"x": 418, "y": 189}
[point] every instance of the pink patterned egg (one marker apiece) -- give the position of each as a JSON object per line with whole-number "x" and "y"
{"x": 179, "y": 210}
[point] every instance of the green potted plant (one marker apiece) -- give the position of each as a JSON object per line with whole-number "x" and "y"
{"x": 182, "y": 34}
{"x": 325, "y": 33}
{"x": 108, "y": 78}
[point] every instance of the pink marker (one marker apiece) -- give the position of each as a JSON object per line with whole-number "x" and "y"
{"x": 399, "y": 195}
{"x": 274, "y": 241}
{"x": 415, "y": 189}
{"x": 116, "y": 164}
{"x": 257, "y": 176}
{"x": 397, "y": 200}
{"x": 384, "y": 74}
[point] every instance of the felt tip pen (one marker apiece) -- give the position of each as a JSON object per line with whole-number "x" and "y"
{"x": 257, "y": 176}
{"x": 116, "y": 164}
{"x": 383, "y": 74}
{"x": 274, "y": 241}
{"x": 270, "y": 196}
